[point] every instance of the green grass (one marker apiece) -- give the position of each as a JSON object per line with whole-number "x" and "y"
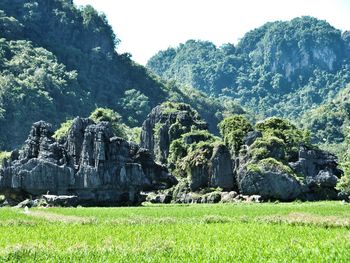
{"x": 282, "y": 232}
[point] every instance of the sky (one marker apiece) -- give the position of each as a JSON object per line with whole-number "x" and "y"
{"x": 147, "y": 26}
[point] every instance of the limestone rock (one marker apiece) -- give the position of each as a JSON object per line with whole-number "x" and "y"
{"x": 166, "y": 123}
{"x": 320, "y": 172}
{"x": 221, "y": 168}
{"x": 228, "y": 197}
{"x": 61, "y": 200}
{"x": 251, "y": 136}
{"x": 90, "y": 163}
{"x": 213, "y": 169}
{"x": 269, "y": 182}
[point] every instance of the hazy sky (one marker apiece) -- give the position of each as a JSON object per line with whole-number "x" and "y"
{"x": 147, "y": 26}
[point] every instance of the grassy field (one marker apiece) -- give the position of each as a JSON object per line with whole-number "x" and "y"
{"x": 283, "y": 232}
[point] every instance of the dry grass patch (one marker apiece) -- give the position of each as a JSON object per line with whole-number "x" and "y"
{"x": 307, "y": 219}
{"x": 52, "y": 217}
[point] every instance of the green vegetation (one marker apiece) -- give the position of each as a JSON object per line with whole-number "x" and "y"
{"x": 63, "y": 130}
{"x": 58, "y": 62}
{"x": 288, "y": 134}
{"x": 272, "y": 164}
{"x": 283, "y": 68}
{"x": 329, "y": 123}
{"x": 268, "y": 146}
{"x": 3, "y": 156}
{"x": 344, "y": 183}
{"x": 104, "y": 114}
{"x": 301, "y": 232}
{"x": 233, "y": 129}
{"x": 193, "y": 149}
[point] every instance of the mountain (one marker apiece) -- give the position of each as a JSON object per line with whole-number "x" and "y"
{"x": 283, "y": 68}
{"x": 58, "y": 61}
{"x": 329, "y": 123}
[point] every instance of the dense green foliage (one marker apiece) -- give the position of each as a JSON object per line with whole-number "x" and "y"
{"x": 344, "y": 183}
{"x": 281, "y": 134}
{"x": 63, "y": 130}
{"x": 328, "y": 122}
{"x": 291, "y": 232}
{"x": 279, "y": 138}
{"x": 194, "y": 148}
{"x": 33, "y": 86}
{"x": 280, "y": 69}
{"x": 58, "y": 62}
{"x": 233, "y": 129}
{"x": 104, "y": 114}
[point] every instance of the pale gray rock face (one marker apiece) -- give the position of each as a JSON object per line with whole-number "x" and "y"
{"x": 217, "y": 172}
{"x": 221, "y": 168}
{"x": 270, "y": 184}
{"x": 91, "y": 163}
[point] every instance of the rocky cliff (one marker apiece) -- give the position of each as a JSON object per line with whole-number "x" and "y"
{"x": 90, "y": 163}
{"x": 264, "y": 170}
{"x": 166, "y": 123}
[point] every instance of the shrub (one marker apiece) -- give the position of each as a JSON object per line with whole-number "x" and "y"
{"x": 3, "y": 156}
{"x": 63, "y": 130}
{"x": 233, "y": 129}
{"x": 105, "y": 114}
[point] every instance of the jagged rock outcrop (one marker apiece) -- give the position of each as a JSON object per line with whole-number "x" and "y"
{"x": 166, "y": 123}
{"x": 90, "y": 163}
{"x": 211, "y": 168}
{"x": 320, "y": 172}
{"x": 312, "y": 177}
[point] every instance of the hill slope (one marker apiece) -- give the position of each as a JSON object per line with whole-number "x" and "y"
{"x": 58, "y": 61}
{"x": 283, "y": 68}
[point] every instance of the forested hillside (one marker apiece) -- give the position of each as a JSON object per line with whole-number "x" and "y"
{"x": 58, "y": 61}
{"x": 281, "y": 68}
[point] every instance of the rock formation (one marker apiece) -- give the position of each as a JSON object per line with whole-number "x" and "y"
{"x": 320, "y": 173}
{"x": 269, "y": 180}
{"x": 212, "y": 170}
{"x": 313, "y": 176}
{"x": 90, "y": 163}
{"x": 166, "y": 123}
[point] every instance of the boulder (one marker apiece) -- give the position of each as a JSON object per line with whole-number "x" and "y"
{"x": 159, "y": 198}
{"x": 228, "y": 197}
{"x": 269, "y": 179}
{"x": 89, "y": 163}
{"x": 61, "y": 200}
{"x": 262, "y": 168}
{"x": 211, "y": 198}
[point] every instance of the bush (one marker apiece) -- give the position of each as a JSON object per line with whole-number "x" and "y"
{"x": 63, "y": 130}
{"x": 3, "y": 156}
{"x": 233, "y": 129}
{"x": 282, "y": 129}
{"x": 105, "y": 114}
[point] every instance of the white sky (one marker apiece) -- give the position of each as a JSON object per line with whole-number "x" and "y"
{"x": 147, "y": 26}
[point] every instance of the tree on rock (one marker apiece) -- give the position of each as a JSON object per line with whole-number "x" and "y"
{"x": 233, "y": 129}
